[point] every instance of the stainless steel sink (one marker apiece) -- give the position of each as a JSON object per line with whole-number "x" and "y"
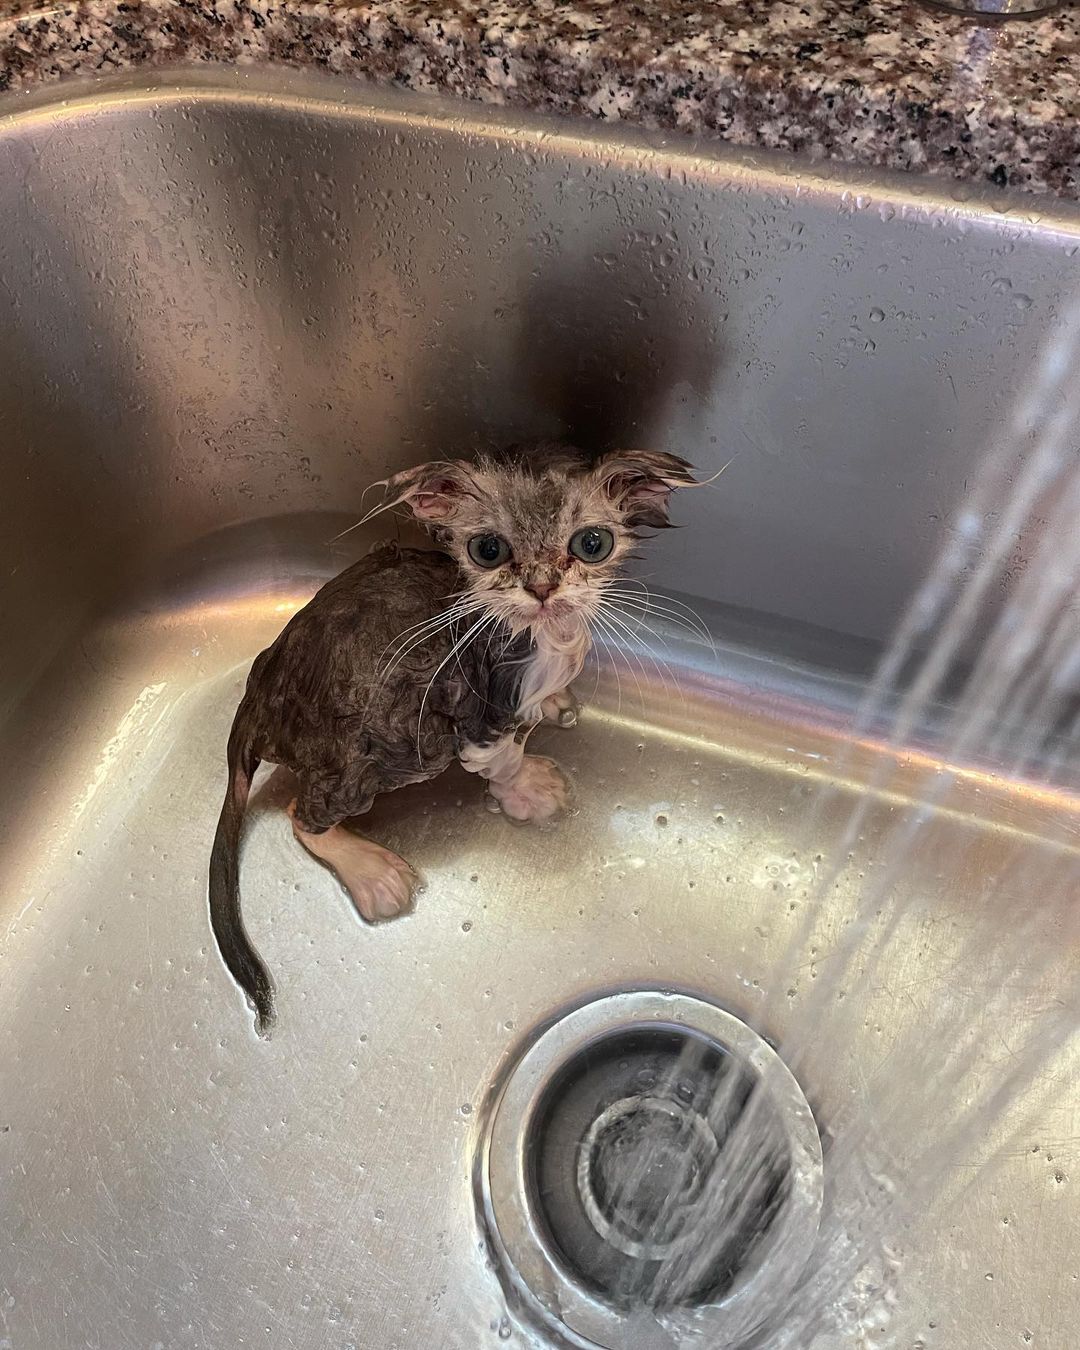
{"x": 228, "y": 304}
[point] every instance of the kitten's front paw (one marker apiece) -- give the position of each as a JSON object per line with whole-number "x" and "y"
{"x": 537, "y": 791}
{"x": 560, "y": 708}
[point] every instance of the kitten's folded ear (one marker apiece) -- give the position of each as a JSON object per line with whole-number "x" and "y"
{"x": 433, "y": 492}
{"x": 640, "y": 483}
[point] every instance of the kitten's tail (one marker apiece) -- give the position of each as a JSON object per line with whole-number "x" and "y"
{"x": 243, "y": 961}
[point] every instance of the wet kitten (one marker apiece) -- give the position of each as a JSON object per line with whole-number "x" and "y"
{"x": 412, "y": 658}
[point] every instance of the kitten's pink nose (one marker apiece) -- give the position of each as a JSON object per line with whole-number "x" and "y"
{"x": 541, "y": 589}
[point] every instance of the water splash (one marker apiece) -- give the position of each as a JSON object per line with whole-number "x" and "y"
{"x": 969, "y": 730}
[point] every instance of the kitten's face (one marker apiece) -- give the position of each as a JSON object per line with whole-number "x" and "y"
{"x": 539, "y": 550}
{"x": 540, "y": 535}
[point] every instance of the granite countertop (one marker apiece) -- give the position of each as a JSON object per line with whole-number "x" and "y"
{"x": 877, "y": 82}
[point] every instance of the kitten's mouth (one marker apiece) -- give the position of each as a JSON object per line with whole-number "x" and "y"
{"x": 556, "y": 615}
{"x": 549, "y": 609}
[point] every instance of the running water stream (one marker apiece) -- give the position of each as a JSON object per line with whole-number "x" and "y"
{"x": 973, "y": 714}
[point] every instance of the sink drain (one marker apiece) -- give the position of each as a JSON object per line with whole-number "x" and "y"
{"x": 650, "y": 1165}
{"x": 670, "y": 1148}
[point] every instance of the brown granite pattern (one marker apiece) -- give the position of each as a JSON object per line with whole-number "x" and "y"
{"x": 877, "y": 82}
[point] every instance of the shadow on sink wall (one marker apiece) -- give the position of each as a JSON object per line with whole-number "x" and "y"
{"x": 591, "y": 332}
{"x": 608, "y": 351}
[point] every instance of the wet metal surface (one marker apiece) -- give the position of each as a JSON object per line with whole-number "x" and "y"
{"x": 226, "y": 309}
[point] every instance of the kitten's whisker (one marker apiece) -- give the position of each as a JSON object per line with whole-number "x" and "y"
{"x": 615, "y": 670}
{"x": 626, "y": 638}
{"x": 428, "y": 630}
{"x": 643, "y": 626}
{"x": 610, "y": 652}
{"x": 625, "y": 650}
{"x": 417, "y": 639}
{"x": 619, "y": 646}
{"x": 422, "y": 632}
{"x": 476, "y": 628}
{"x": 631, "y": 585}
{"x": 410, "y": 637}
{"x": 614, "y": 616}
{"x": 500, "y": 627}
{"x": 421, "y": 640}
{"x": 487, "y": 653}
{"x": 429, "y": 622}
{"x": 459, "y": 598}
{"x": 455, "y": 648}
{"x": 382, "y": 675}
{"x": 674, "y": 620}
{"x": 596, "y": 663}
{"x": 662, "y": 604}
{"x": 638, "y": 620}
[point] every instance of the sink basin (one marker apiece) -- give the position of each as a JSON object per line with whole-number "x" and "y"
{"x": 229, "y": 303}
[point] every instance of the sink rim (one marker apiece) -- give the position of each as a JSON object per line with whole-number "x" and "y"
{"x": 280, "y": 86}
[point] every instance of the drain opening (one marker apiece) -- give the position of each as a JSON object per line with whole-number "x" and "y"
{"x": 650, "y": 1171}
{"x": 625, "y": 1153}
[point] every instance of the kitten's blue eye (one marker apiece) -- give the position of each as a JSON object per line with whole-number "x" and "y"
{"x": 592, "y": 544}
{"x": 488, "y": 550}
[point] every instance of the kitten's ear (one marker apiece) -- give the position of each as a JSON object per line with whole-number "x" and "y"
{"x": 433, "y": 492}
{"x": 640, "y": 483}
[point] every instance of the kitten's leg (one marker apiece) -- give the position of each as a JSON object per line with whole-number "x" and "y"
{"x": 379, "y": 882}
{"x": 561, "y": 708}
{"x": 524, "y": 787}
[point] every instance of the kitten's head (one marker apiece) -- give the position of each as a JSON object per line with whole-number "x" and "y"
{"x": 539, "y": 533}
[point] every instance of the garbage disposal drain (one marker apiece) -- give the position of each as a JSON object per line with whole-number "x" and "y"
{"x": 650, "y": 1164}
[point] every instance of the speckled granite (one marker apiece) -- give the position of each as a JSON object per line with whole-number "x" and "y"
{"x": 877, "y": 82}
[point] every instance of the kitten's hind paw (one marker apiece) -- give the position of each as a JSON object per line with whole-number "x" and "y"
{"x": 537, "y": 791}
{"x": 560, "y": 708}
{"x": 380, "y": 884}
{"x": 378, "y": 881}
